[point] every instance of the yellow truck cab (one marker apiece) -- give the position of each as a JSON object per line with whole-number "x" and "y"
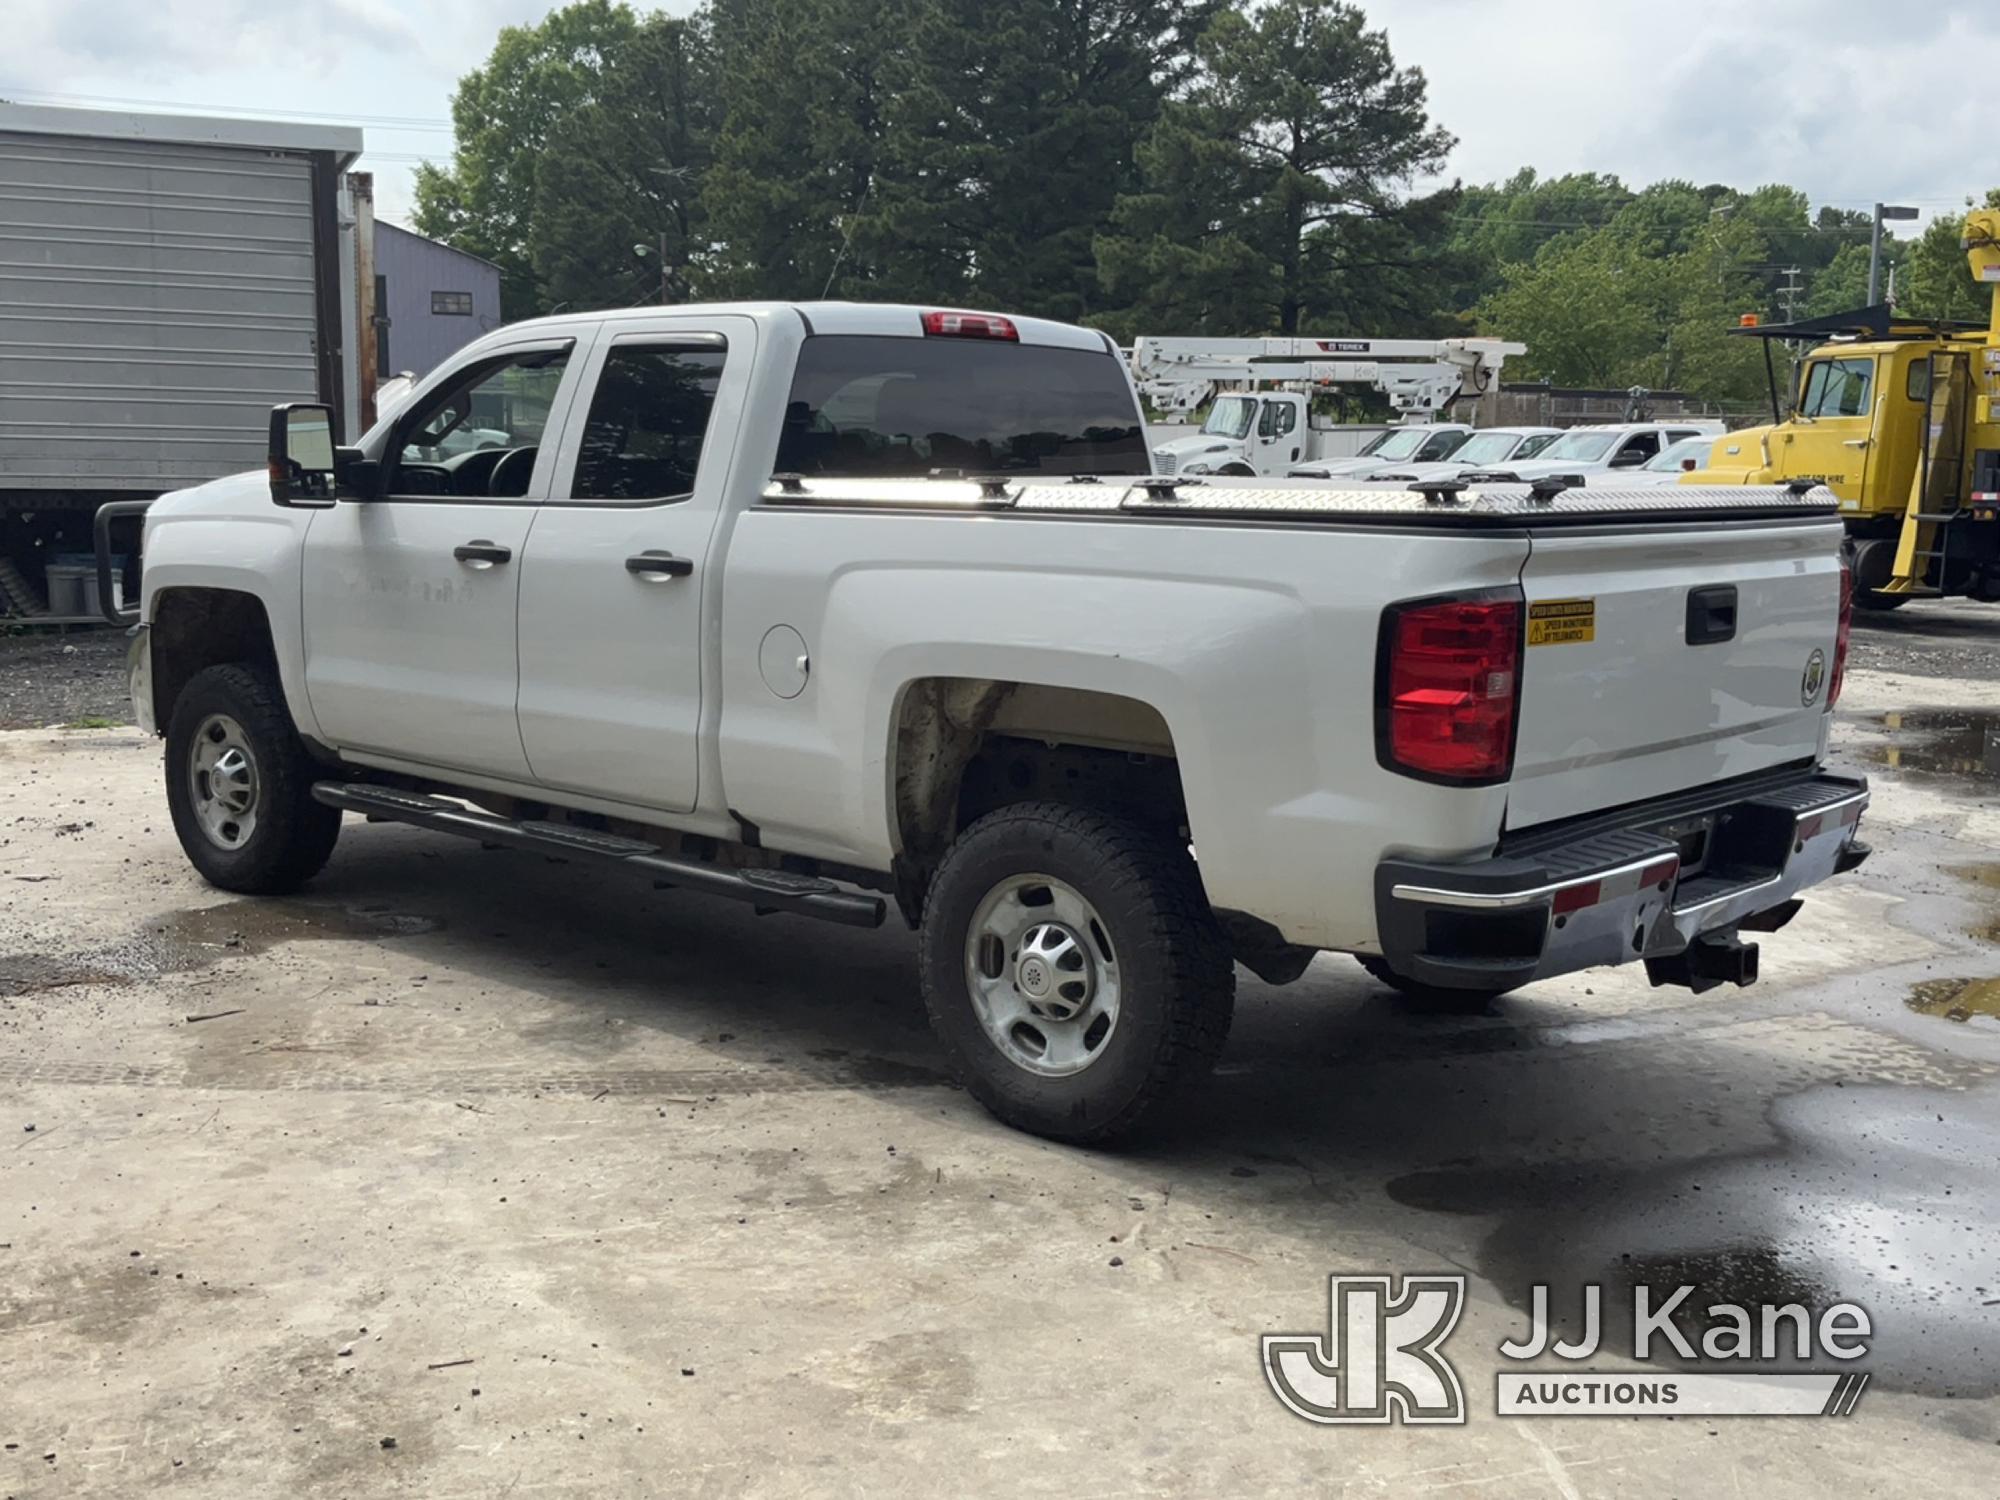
{"x": 1897, "y": 417}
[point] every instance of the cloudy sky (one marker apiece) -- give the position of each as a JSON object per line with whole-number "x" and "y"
{"x": 1852, "y": 100}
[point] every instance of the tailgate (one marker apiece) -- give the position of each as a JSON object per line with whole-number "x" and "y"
{"x": 1660, "y": 659}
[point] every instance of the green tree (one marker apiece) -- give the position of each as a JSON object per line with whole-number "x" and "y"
{"x": 801, "y": 99}
{"x": 1271, "y": 188}
{"x": 1613, "y": 308}
{"x": 503, "y": 115}
{"x": 626, "y": 169}
{"x": 1842, "y": 285}
{"x": 1933, "y": 279}
{"x": 1008, "y": 134}
{"x": 1497, "y": 225}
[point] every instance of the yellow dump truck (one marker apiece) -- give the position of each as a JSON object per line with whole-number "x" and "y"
{"x": 1900, "y": 417}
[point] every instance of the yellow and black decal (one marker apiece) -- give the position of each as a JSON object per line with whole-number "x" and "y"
{"x": 1562, "y": 622}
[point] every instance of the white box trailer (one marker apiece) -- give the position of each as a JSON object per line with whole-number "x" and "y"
{"x": 164, "y": 280}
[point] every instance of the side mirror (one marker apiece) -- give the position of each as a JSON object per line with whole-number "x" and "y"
{"x": 1627, "y": 460}
{"x": 302, "y": 455}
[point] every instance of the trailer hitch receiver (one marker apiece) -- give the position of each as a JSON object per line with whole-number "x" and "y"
{"x": 1711, "y": 959}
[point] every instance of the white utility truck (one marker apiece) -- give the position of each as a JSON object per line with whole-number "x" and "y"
{"x": 1261, "y": 421}
{"x": 827, "y": 608}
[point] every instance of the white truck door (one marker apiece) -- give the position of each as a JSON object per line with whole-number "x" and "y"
{"x": 1277, "y": 441}
{"x": 408, "y": 599}
{"x": 617, "y": 567}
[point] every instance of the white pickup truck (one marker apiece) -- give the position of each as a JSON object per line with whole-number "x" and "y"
{"x": 829, "y": 607}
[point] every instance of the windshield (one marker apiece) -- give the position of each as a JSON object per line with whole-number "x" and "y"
{"x": 1230, "y": 417}
{"x": 1486, "y": 448}
{"x": 1669, "y": 459}
{"x": 1402, "y": 443}
{"x": 1581, "y": 445}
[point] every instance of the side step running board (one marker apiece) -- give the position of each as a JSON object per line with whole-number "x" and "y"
{"x": 771, "y": 890}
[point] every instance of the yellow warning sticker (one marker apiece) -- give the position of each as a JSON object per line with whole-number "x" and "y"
{"x": 1562, "y": 622}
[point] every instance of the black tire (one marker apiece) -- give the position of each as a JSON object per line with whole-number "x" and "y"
{"x": 1176, "y": 983}
{"x": 1878, "y": 603}
{"x": 1435, "y": 999}
{"x": 292, "y": 836}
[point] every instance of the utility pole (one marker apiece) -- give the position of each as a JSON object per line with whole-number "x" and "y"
{"x": 1788, "y": 294}
{"x": 1882, "y": 211}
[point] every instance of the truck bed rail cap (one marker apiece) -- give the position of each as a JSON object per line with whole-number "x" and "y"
{"x": 1305, "y": 498}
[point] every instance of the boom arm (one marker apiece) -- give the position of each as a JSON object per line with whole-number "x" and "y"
{"x": 1420, "y": 376}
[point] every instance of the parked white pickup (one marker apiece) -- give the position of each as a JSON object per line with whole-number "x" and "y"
{"x": 827, "y": 607}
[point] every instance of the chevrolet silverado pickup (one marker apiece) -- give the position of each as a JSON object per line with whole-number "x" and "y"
{"x": 834, "y": 609}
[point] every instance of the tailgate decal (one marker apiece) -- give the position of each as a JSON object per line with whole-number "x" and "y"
{"x": 1562, "y": 622}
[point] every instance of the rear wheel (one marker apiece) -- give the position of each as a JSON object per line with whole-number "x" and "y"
{"x": 1435, "y": 998}
{"x": 1073, "y": 970}
{"x": 239, "y": 785}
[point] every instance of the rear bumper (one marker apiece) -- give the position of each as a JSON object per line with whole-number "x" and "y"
{"x": 1615, "y": 894}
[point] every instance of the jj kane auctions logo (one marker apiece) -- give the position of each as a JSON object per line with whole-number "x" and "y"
{"x": 1382, "y": 1358}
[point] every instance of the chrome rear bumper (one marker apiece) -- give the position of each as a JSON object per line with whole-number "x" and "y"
{"x": 1651, "y": 887}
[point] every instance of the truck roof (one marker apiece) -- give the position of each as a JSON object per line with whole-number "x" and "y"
{"x": 344, "y": 141}
{"x": 889, "y": 319}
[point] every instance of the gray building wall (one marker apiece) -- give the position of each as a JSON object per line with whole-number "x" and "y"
{"x": 409, "y": 269}
{"x": 156, "y": 298}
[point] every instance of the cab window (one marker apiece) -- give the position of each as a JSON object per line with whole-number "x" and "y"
{"x": 477, "y": 435}
{"x": 1918, "y": 383}
{"x": 1837, "y": 388}
{"x": 1637, "y": 448}
{"x": 648, "y": 421}
{"x": 1441, "y": 445}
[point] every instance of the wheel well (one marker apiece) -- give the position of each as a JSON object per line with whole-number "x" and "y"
{"x": 1237, "y": 471}
{"x": 967, "y": 746}
{"x": 193, "y": 629}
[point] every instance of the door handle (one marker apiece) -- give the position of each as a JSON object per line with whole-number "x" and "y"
{"x": 1855, "y": 443}
{"x": 482, "y": 554}
{"x": 658, "y": 567}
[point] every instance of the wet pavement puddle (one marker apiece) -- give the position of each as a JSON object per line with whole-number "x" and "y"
{"x": 182, "y": 941}
{"x": 1960, "y": 743}
{"x": 1956, "y": 999}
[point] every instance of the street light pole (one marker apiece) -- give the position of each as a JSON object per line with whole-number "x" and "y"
{"x": 1882, "y": 211}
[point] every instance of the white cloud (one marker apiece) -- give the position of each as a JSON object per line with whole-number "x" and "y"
{"x": 1849, "y": 100}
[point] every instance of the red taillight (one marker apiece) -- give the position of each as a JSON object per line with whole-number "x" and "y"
{"x": 1842, "y": 633}
{"x": 965, "y": 325}
{"x": 1450, "y": 681}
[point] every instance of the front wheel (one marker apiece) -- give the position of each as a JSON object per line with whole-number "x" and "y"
{"x": 239, "y": 785}
{"x": 1073, "y": 970}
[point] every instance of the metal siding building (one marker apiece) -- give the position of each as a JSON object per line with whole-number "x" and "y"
{"x": 163, "y": 281}
{"x": 413, "y": 277}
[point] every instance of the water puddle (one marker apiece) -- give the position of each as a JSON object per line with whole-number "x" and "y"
{"x": 1961, "y": 743}
{"x": 1956, "y": 999}
{"x": 186, "y": 940}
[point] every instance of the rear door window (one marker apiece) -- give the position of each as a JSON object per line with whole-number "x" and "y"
{"x": 878, "y": 406}
{"x": 648, "y": 421}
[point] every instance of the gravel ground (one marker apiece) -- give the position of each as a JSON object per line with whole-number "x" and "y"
{"x": 75, "y": 679}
